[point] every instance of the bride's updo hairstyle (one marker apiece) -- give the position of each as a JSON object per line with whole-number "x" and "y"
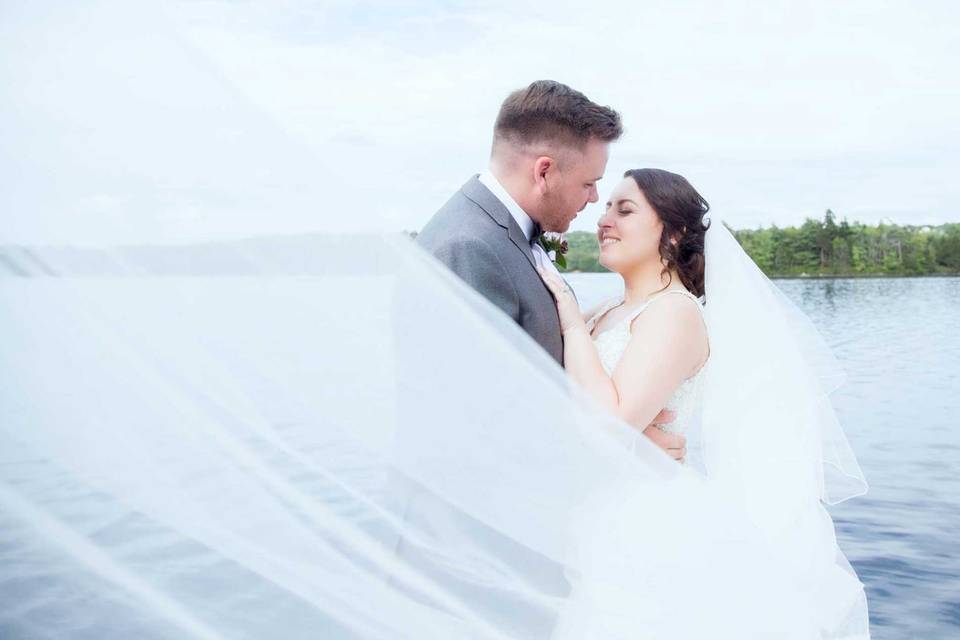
{"x": 681, "y": 210}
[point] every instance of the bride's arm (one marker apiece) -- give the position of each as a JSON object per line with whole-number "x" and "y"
{"x": 667, "y": 346}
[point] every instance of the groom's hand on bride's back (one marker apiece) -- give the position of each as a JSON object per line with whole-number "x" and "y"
{"x": 673, "y": 443}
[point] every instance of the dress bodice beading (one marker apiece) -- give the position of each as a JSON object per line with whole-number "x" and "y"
{"x": 612, "y": 343}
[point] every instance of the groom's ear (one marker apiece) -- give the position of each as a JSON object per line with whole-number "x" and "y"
{"x": 541, "y": 167}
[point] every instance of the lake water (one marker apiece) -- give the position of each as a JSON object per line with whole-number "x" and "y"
{"x": 897, "y": 340}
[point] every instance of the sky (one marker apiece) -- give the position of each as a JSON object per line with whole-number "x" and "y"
{"x": 374, "y": 113}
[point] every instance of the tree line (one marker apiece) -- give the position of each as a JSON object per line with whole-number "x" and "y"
{"x": 826, "y": 248}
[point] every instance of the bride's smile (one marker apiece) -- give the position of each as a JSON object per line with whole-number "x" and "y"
{"x": 629, "y": 231}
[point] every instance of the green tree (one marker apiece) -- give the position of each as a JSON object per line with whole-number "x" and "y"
{"x": 947, "y": 247}
{"x": 828, "y": 231}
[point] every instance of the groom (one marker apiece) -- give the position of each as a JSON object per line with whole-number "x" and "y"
{"x": 550, "y": 147}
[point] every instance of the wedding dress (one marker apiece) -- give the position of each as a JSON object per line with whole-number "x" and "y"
{"x": 612, "y": 342}
{"x": 622, "y": 594}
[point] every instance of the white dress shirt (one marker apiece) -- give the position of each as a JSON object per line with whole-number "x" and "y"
{"x": 525, "y": 222}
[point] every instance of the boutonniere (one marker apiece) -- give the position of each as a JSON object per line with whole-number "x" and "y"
{"x": 556, "y": 247}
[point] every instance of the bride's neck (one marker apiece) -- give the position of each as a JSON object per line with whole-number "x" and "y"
{"x": 644, "y": 281}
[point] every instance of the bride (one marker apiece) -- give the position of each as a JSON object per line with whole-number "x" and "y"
{"x": 651, "y": 348}
{"x": 644, "y": 350}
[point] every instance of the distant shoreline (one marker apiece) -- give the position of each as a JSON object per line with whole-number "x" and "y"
{"x": 827, "y": 250}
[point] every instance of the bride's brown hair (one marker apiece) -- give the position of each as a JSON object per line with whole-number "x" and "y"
{"x": 681, "y": 210}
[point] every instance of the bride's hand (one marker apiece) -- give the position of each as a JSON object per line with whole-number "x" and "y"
{"x": 567, "y": 307}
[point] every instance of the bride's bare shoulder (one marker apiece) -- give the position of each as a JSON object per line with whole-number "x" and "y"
{"x": 681, "y": 311}
{"x": 676, "y": 321}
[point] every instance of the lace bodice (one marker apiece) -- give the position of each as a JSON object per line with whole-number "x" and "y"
{"x": 612, "y": 342}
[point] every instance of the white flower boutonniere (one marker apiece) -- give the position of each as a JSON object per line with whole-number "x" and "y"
{"x": 556, "y": 247}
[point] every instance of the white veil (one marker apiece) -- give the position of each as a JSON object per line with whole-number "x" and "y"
{"x": 768, "y": 360}
{"x": 313, "y": 435}
{"x": 770, "y": 438}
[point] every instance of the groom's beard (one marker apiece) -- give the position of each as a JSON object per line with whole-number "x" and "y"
{"x": 553, "y": 219}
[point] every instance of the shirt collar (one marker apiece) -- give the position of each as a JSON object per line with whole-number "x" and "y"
{"x": 523, "y": 220}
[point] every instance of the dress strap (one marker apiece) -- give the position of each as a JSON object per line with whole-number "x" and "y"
{"x": 636, "y": 312}
{"x": 602, "y": 311}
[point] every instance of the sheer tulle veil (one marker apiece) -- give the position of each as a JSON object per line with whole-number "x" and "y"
{"x": 213, "y": 427}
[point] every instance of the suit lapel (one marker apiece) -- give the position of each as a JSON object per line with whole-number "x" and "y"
{"x": 517, "y": 237}
{"x": 479, "y": 194}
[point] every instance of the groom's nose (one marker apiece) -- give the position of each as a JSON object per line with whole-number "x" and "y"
{"x": 594, "y": 195}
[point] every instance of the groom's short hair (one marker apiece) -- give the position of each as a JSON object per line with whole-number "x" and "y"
{"x": 551, "y": 112}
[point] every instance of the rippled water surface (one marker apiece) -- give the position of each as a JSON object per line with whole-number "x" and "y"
{"x": 899, "y": 343}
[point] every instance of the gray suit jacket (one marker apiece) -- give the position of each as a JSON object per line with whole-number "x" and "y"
{"x": 477, "y": 238}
